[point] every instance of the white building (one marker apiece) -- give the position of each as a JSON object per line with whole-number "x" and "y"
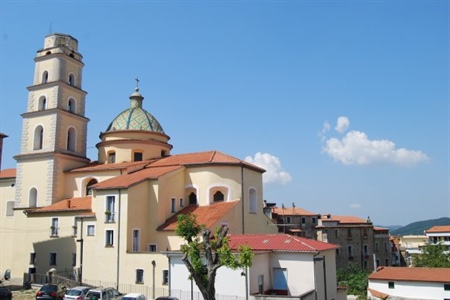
{"x": 409, "y": 283}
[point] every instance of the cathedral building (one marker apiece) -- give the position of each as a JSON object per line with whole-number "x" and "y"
{"x": 109, "y": 220}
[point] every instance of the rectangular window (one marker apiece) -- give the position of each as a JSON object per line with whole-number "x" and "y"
{"x": 337, "y": 251}
{"x": 446, "y": 287}
{"x": 139, "y": 276}
{"x": 336, "y": 233}
{"x": 52, "y": 259}
{"x": 378, "y": 263}
{"x": 109, "y": 238}
{"x": 137, "y": 156}
{"x": 10, "y": 208}
{"x": 112, "y": 157}
{"x": 110, "y": 211}
{"x": 74, "y": 227}
{"x": 181, "y": 202}
{"x": 152, "y": 248}
{"x": 91, "y": 230}
{"x": 136, "y": 240}
{"x": 32, "y": 258}
{"x": 54, "y": 227}
{"x": 303, "y": 220}
{"x": 386, "y": 262}
{"x": 391, "y": 284}
{"x": 349, "y": 234}
{"x": 314, "y": 220}
{"x": 365, "y": 233}
{"x": 288, "y": 220}
{"x": 165, "y": 277}
{"x": 376, "y": 247}
{"x": 74, "y": 259}
{"x": 385, "y": 247}
{"x": 366, "y": 250}
{"x": 172, "y": 205}
{"x": 350, "y": 252}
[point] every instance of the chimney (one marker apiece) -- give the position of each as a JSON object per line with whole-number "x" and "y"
{"x": 2, "y": 136}
{"x": 68, "y": 203}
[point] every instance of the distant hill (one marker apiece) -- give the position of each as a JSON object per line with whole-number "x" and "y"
{"x": 418, "y": 228}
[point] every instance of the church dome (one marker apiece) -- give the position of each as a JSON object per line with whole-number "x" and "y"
{"x": 135, "y": 117}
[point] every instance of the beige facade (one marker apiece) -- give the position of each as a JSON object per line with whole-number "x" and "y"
{"x": 107, "y": 221}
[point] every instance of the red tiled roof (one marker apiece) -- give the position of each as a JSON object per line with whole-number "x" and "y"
{"x": 438, "y": 229}
{"x": 206, "y": 215}
{"x": 128, "y": 180}
{"x": 72, "y": 204}
{"x": 8, "y": 173}
{"x": 343, "y": 219}
{"x": 412, "y": 274}
{"x": 278, "y": 242}
{"x": 203, "y": 158}
{"x": 95, "y": 166}
{"x": 292, "y": 211}
{"x": 378, "y": 294}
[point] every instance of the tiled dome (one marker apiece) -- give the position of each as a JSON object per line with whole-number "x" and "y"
{"x": 135, "y": 117}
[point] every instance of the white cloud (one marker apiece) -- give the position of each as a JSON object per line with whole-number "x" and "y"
{"x": 342, "y": 124}
{"x": 356, "y": 149}
{"x": 274, "y": 171}
{"x": 355, "y": 206}
{"x": 326, "y": 127}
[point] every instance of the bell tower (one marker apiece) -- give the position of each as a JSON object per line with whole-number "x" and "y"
{"x": 54, "y": 128}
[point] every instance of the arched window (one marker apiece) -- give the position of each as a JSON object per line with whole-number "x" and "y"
{"x": 38, "y": 138}
{"x": 252, "y": 200}
{"x": 218, "y": 196}
{"x": 32, "y": 198}
{"x": 45, "y": 77}
{"x": 71, "y": 80}
{"x": 71, "y": 139}
{"x": 88, "y": 186}
{"x": 71, "y": 105}
{"x": 42, "y": 103}
{"x": 193, "y": 198}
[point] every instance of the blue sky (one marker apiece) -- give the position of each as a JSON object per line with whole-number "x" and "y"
{"x": 344, "y": 103}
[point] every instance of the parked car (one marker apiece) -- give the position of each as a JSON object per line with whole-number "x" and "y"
{"x": 167, "y": 298}
{"x": 134, "y": 296}
{"x": 50, "y": 292}
{"x": 5, "y": 293}
{"x": 77, "y": 293}
{"x": 103, "y": 294}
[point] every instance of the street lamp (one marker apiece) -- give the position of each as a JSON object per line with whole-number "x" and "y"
{"x": 324, "y": 274}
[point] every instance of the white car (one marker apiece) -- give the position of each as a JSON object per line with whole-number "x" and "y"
{"x": 134, "y": 296}
{"x": 76, "y": 293}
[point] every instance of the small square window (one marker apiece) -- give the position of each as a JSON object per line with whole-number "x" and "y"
{"x": 391, "y": 284}
{"x": 137, "y": 156}
{"x": 152, "y": 248}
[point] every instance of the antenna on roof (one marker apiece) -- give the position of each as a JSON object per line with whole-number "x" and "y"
{"x": 50, "y": 28}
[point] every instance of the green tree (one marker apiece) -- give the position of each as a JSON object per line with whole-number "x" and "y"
{"x": 355, "y": 279}
{"x": 433, "y": 256}
{"x": 204, "y": 255}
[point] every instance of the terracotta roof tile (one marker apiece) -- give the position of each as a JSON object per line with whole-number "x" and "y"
{"x": 293, "y": 211}
{"x": 72, "y": 204}
{"x": 378, "y": 294}
{"x": 203, "y": 158}
{"x": 8, "y": 173}
{"x": 278, "y": 242}
{"x": 95, "y": 166}
{"x": 128, "y": 180}
{"x": 437, "y": 229}
{"x": 343, "y": 219}
{"x": 206, "y": 215}
{"x": 412, "y": 274}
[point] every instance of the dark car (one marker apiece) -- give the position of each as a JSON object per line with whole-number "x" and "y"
{"x": 5, "y": 293}
{"x": 50, "y": 292}
{"x": 167, "y": 298}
